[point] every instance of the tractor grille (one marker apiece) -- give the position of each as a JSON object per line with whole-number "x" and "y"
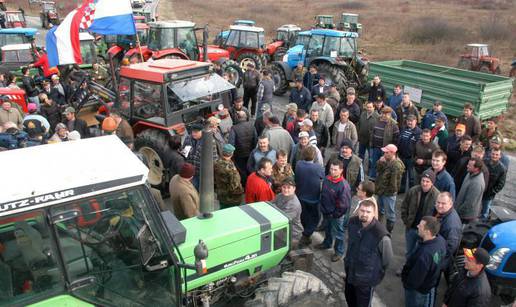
{"x": 510, "y": 265}
{"x": 487, "y": 244}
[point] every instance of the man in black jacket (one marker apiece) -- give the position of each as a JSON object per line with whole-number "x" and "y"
{"x": 368, "y": 256}
{"x": 74, "y": 123}
{"x": 301, "y": 96}
{"x": 497, "y": 174}
{"x": 243, "y": 137}
{"x": 251, "y": 81}
{"x": 471, "y": 287}
{"x": 420, "y": 275}
{"x": 30, "y": 86}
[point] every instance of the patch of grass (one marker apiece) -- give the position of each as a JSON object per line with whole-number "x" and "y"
{"x": 432, "y": 30}
{"x": 496, "y": 28}
{"x": 353, "y": 5}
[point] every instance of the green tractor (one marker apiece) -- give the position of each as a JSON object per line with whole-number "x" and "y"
{"x": 324, "y": 22}
{"x": 95, "y": 236}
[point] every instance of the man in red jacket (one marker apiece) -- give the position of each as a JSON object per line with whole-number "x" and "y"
{"x": 258, "y": 187}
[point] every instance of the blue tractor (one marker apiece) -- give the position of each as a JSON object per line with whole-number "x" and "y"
{"x": 334, "y": 53}
{"x": 17, "y": 36}
{"x": 498, "y": 237}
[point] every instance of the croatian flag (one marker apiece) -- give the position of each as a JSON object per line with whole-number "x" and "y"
{"x": 98, "y": 16}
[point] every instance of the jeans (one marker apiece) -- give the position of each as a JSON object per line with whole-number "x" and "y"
{"x": 361, "y": 152}
{"x": 358, "y": 296}
{"x": 411, "y": 239}
{"x": 334, "y": 230}
{"x": 374, "y": 155}
{"x": 387, "y": 206}
{"x": 309, "y": 217}
{"x": 486, "y": 206}
{"x": 413, "y": 298}
{"x": 409, "y": 174}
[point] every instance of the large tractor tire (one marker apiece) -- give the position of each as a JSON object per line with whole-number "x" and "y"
{"x": 297, "y": 288}
{"x": 234, "y": 70}
{"x": 336, "y": 75}
{"x": 464, "y": 64}
{"x": 248, "y": 57}
{"x": 280, "y": 80}
{"x": 153, "y": 146}
{"x": 280, "y": 52}
{"x": 485, "y": 69}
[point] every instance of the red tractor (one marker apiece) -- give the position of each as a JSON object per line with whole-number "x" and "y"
{"x": 177, "y": 39}
{"x": 120, "y": 44}
{"x": 15, "y": 19}
{"x": 286, "y": 35}
{"x": 477, "y": 58}
{"x": 246, "y": 44}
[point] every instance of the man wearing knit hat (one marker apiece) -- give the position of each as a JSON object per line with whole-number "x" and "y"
{"x": 454, "y": 139}
{"x": 228, "y": 186}
{"x": 183, "y": 195}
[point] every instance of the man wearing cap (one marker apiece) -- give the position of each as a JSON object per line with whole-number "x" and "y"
{"x": 406, "y": 108}
{"x": 307, "y": 125}
{"x": 472, "y": 123}
{"x": 34, "y": 116}
{"x": 409, "y": 136}
{"x": 454, "y": 139}
{"x": 423, "y": 152}
{"x": 429, "y": 119}
{"x": 297, "y": 150}
{"x": 422, "y": 271}
{"x": 300, "y": 95}
{"x": 344, "y": 129}
{"x": 10, "y": 114}
{"x": 351, "y": 163}
{"x": 469, "y": 198}
{"x": 471, "y": 287}
{"x": 183, "y": 195}
{"x": 335, "y": 205}
{"x": 390, "y": 170}
{"x": 352, "y": 104}
{"x": 77, "y": 124}
{"x": 321, "y": 88}
{"x": 250, "y": 82}
{"x": 238, "y": 105}
{"x": 395, "y": 99}
{"x": 385, "y": 131}
{"x": 379, "y": 106}
{"x": 497, "y": 175}
{"x": 418, "y": 202}
{"x": 489, "y": 132}
{"x": 439, "y": 133}
{"x": 228, "y": 185}
{"x": 259, "y": 185}
{"x": 279, "y": 138}
{"x": 288, "y": 202}
{"x": 365, "y": 127}
{"x": 325, "y": 110}
{"x": 333, "y": 96}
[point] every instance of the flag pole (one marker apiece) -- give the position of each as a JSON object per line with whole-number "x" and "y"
{"x": 139, "y": 46}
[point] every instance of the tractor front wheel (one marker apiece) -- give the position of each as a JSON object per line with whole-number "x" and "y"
{"x": 335, "y": 74}
{"x": 235, "y": 72}
{"x": 251, "y": 58}
{"x": 464, "y": 64}
{"x": 153, "y": 146}
{"x": 280, "y": 80}
{"x": 292, "y": 289}
{"x": 485, "y": 69}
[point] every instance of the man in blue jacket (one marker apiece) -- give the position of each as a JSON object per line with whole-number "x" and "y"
{"x": 335, "y": 203}
{"x": 301, "y": 96}
{"x": 420, "y": 275}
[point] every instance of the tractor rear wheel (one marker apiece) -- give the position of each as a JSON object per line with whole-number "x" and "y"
{"x": 292, "y": 289}
{"x": 280, "y": 52}
{"x": 234, "y": 70}
{"x": 153, "y": 146}
{"x": 335, "y": 74}
{"x": 245, "y": 58}
{"x": 280, "y": 80}
{"x": 485, "y": 69}
{"x": 464, "y": 64}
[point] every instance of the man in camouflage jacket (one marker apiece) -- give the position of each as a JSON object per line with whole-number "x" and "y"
{"x": 228, "y": 187}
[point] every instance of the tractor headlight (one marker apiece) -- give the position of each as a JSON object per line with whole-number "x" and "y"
{"x": 285, "y": 58}
{"x": 496, "y": 258}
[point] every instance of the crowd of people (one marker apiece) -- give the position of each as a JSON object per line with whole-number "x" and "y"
{"x": 314, "y": 162}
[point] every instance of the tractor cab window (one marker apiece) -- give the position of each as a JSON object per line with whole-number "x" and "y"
{"x": 187, "y": 42}
{"x": 232, "y": 39}
{"x": 14, "y": 17}
{"x": 147, "y": 101}
{"x": 347, "y": 47}
{"x": 11, "y": 39}
{"x": 249, "y": 40}
{"x": 142, "y": 35}
{"x": 303, "y": 40}
{"x": 110, "y": 246}
{"x": 483, "y": 51}
{"x": 28, "y": 260}
{"x": 17, "y": 56}
{"x": 161, "y": 38}
{"x": 88, "y": 51}
{"x": 315, "y": 45}
{"x": 282, "y": 36}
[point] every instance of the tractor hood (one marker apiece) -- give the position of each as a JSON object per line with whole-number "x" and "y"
{"x": 295, "y": 55}
{"x": 216, "y": 53}
{"x": 502, "y": 235}
{"x": 249, "y": 238}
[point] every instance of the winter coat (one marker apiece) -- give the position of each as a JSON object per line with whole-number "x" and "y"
{"x": 411, "y": 204}
{"x": 13, "y": 115}
{"x": 394, "y": 101}
{"x": 244, "y": 137}
{"x": 473, "y": 126}
{"x": 485, "y": 136}
{"x": 365, "y": 127}
{"x": 291, "y": 206}
{"x": 310, "y": 80}
{"x": 335, "y": 197}
{"x": 278, "y": 175}
{"x": 468, "y": 291}
{"x": 354, "y": 110}
{"x": 175, "y": 162}
{"x": 377, "y": 93}
{"x": 81, "y": 126}
{"x": 402, "y": 113}
{"x": 301, "y": 97}
{"x": 497, "y": 175}
{"x": 461, "y": 170}
{"x": 451, "y": 231}
{"x": 258, "y": 189}
{"x": 233, "y": 113}
{"x": 429, "y": 119}
{"x": 308, "y": 181}
{"x": 321, "y": 133}
{"x": 251, "y": 79}
{"x": 228, "y": 187}
{"x": 407, "y": 142}
{"x": 384, "y": 133}
{"x": 444, "y": 183}
{"x": 353, "y": 169}
{"x": 424, "y": 151}
{"x": 388, "y": 178}
{"x": 440, "y": 136}
{"x": 256, "y": 155}
{"x": 184, "y": 198}
{"x": 52, "y": 113}
{"x": 350, "y": 133}
{"x": 279, "y": 139}
{"x": 317, "y": 89}
{"x": 469, "y": 199}
{"x": 325, "y": 113}
{"x": 295, "y": 155}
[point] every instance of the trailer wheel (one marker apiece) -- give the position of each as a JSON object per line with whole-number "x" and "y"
{"x": 336, "y": 75}
{"x": 233, "y": 69}
{"x": 280, "y": 80}
{"x": 292, "y": 289}
{"x": 153, "y": 146}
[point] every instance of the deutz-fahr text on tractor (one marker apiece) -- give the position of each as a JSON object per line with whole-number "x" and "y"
{"x": 95, "y": 236}
{"x": 333, "y": 52}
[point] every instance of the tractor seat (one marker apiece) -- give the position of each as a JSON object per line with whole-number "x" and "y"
{"x": 30, "y": 244}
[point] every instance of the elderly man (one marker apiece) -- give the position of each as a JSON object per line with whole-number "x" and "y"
{"x": 10, "y": 114}
{"x": 325, "y": 110}
{"x": 183, "y": 195}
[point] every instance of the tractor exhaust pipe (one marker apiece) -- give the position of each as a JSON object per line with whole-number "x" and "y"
{"x": 205, "y": 43}
{"x": 206, "y": 191}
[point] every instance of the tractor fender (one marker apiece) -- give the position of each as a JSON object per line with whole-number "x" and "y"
{"x": 248, "y": 50}
{"x": 146, "y": 52}
{"x": 169, "y": 52}
{"x": 115, "y": 51}
{"x": 323, "y": 59}
{"x": 140, "y": 126}
{"x": 272, "y": 47}
{"x": 284, "y": 66}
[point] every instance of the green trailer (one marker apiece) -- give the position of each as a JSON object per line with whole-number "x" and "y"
{"x": 489, "y": 94}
